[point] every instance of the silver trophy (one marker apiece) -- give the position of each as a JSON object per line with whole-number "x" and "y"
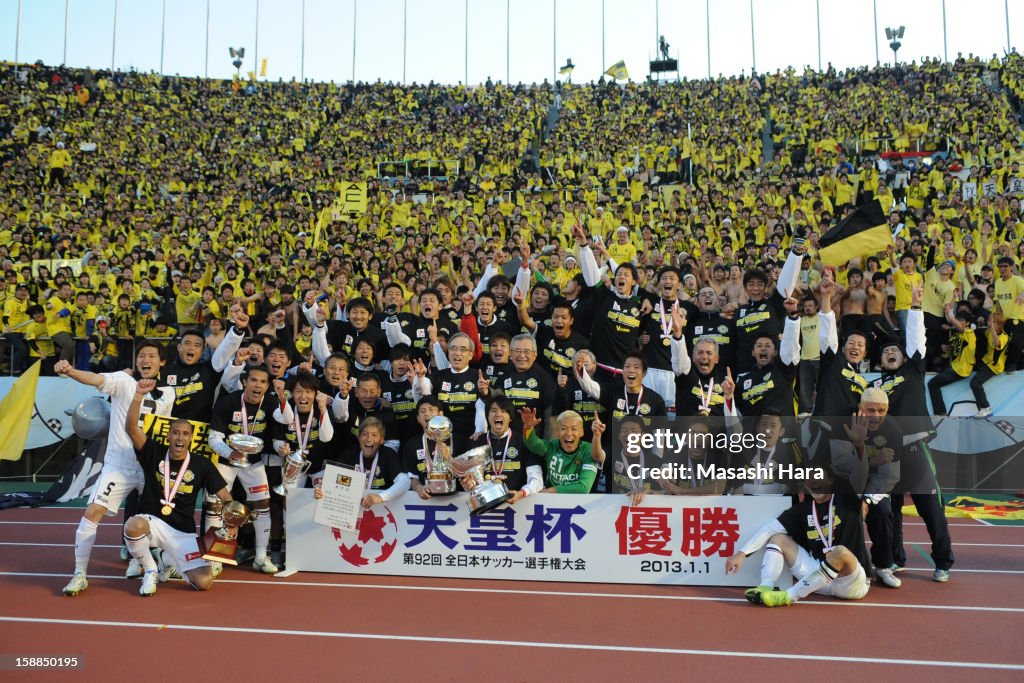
{"x": 295, "y": 465}
{"x": 246, "y": 445}
{"x": 440, "y": 479}
{"x": 90, "y": 419}
{"x": 485, "y": 495}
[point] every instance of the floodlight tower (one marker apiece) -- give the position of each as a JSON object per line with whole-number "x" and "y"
{"x": 237, "y": 54}
{"x": 894, "y": 36}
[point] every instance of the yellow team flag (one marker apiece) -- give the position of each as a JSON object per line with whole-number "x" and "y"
{"x": 252, "y": 76}
{"x": 263, "y": 68}
{"x": 318, "y": 232}
{"x": 16, "y": 410}
{"x": 864, "y": 232}
{"x": 618, "y": 71}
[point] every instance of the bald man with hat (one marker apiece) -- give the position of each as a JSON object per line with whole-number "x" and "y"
{"x": 868, "y": 461}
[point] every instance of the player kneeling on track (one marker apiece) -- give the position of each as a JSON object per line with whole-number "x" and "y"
{"x": 173, "y": 480}
{"x": 821, "y": 539}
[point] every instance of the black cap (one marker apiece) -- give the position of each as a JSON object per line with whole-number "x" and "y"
{"x": 888, "y": 341}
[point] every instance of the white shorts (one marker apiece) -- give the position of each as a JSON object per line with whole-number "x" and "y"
{"x": 253, "y": 478}
{"x": 181, "y": 549}
{"x": 113, "y": 487}
{"x": 850, "y": 587}
{"x": 664, "y": 383}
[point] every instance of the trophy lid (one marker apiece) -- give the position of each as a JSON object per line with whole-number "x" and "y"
{"x": 297, "y": 457}
{"x": 439, "y": 428}
{"x": 91, "y": 418}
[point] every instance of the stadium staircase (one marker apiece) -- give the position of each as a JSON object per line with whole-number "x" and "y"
{"x": 992, "y": 79}
{"x": 554, "y": 111}
{"x": 767, "y": 143}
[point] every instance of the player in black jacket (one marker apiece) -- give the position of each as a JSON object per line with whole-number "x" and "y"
{"x": 821, "y": 540}
{"x": 769, "y": 384}
{"x": 704, "y": 319}
{"x": 902, "y": 379}
{"x": 763, "y": 314}
{"x": 195, "y": 382}
{"x": 618, "y": 311}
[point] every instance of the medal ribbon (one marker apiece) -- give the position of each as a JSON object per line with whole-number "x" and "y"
{"x": 427, "y": 454}
{"x": 666, "y": 320}
{"x": 498, "y": 470}
{"x": 694, "y": 481}
{"x": 634, "y": 484}
{"x": 817, "y": 526}
{"x": 639, "y": 399}
{"x": 705, "y": 399}
{"x": 246, "y": 429}
{"x": 373, "y": 469}
{"x": 303, "y": 439}
{"x": 766, "y": 463}
{"x": 171, "y": 491}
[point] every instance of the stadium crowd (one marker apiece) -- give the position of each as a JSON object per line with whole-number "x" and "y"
{"x": 634, "y": 256}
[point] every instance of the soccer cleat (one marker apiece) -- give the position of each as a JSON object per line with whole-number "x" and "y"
{"x": 983, "y": 413}
{"x": 243, "y": 555}
{"x": 76, "y": 585}
{"x": 776, "y": 598}
{"x": 753, "y": 595}
{"x": 217, "y": 568}
{"x": 149, "y": 582}
{"x": 125, "y": 555}
{"x": 277, "y": 558}
{"x": 134, "y": 570}
{"x": 164, "y": 570}
{"x": 896, "y": 568}
{"x": 265, "y": 566}
{"x": 940, "y": 575}
{"x": 888, "y": 578}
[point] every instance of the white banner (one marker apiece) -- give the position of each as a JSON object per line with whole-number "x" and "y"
{"x": 547, "y": 537}
{"x": 969, "y": 191}
{"x": 54, "y": 395}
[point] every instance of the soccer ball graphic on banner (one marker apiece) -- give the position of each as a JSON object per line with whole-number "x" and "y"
{"x": 372, "y": 543}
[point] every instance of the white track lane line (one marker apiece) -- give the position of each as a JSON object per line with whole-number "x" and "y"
{"x": 575, "y": 594}
{"x": 528, "y": 644}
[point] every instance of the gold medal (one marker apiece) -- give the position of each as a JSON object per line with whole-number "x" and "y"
{"x": 165, "y": 510}
{"x": 666, "y": 341}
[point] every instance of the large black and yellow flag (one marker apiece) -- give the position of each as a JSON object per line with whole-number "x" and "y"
{"x": 618, "y": 71}
{"x": 863, "y": 233}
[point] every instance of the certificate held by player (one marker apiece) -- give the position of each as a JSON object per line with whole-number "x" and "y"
{"x": 343, "y": 490}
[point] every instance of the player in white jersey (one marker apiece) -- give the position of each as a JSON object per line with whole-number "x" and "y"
{"x": 121, "y": 472}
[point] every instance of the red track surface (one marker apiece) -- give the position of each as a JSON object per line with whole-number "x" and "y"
{"x": 389, "y": 628}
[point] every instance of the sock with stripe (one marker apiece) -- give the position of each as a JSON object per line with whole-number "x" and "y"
{"x": 138, "y": 546}
{"x": 214, "y": 520}
{"x": 817, "y": 579}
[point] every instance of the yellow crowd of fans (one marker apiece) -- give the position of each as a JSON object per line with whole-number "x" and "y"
{"x": 134, "y": 181}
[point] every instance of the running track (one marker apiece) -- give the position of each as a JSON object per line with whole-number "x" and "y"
{"x": 348, "y": 627}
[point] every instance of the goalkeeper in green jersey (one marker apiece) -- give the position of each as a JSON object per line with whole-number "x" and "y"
{"x": 571, "y": 463}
